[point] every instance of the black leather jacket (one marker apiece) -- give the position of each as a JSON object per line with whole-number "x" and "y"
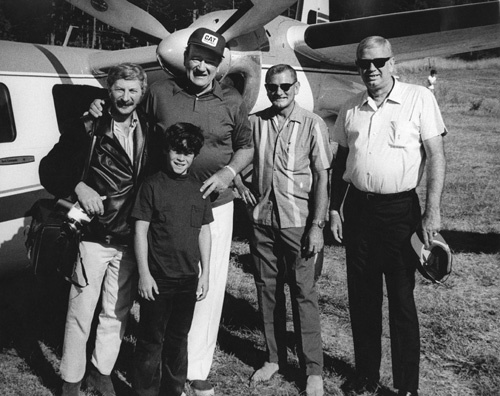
{"x": 111, "y": 174}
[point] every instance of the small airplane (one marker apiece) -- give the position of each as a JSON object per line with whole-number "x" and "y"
{"x": 42, "y": 86}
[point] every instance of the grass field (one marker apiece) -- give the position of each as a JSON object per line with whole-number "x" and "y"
{"x": 459, "y": 322}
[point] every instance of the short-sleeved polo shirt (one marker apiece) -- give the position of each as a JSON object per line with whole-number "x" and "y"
{"x": 386, "y": 154}
{"x": 284, "y": 161}
{"x": 176, "y": 210}
{"x": 220, "y": 113}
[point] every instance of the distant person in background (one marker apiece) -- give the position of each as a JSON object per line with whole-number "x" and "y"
{"x": 431, "y": 80}
{"x": 387, "y": 135}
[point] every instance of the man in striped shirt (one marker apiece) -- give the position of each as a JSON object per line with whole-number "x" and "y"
{"x": 289, "y": 190}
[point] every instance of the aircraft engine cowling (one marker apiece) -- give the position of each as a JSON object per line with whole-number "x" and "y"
{"x": 244, "y": 73}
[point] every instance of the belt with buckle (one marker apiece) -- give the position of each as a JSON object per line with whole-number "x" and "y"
{"x": 369, "y": 196}
{"x": 109, "y": 240}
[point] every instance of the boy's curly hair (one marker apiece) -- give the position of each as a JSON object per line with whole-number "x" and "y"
{"x": 184, "y": 138}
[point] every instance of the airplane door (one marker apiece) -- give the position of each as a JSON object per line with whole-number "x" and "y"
{"x": 31, "y": 110}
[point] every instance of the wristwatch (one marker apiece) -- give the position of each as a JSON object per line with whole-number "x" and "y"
{"x": 319, "y": 223}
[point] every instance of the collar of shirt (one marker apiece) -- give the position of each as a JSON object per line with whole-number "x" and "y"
{"x": 181, "y": 85}
{"x": 394, "y": 96}
{"x": 174, "y": 176}
{"x": 294, "y": 116}
{"x": 126, "y": 141}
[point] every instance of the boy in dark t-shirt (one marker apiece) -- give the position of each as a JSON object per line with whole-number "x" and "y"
{"x": 172, "y": 236}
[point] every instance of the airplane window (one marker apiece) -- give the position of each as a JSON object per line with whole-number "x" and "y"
{"x": 7, "y": 126}
{"x": 71, "y": 101}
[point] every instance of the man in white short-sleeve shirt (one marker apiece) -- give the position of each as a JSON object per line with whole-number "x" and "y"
{"x": 387, "y": 135}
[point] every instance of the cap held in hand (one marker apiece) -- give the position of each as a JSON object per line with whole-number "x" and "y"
{"x": 434, "y": 263}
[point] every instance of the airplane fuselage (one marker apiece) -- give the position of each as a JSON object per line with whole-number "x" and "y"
{"x": 41, "y": 86}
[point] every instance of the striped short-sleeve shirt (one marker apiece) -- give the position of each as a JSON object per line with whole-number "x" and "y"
{"x": 284, "y": 162}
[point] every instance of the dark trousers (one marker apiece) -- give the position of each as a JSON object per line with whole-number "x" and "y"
{"x": 377, "y": 233}
{"x": 160, "y": 361}
{"x": 278, "y": 257}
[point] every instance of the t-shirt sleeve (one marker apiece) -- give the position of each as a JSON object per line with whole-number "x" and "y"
{"x": 143, "y": 206}
{"x": 242, "y": 133}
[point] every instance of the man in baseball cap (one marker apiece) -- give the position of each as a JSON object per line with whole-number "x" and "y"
{"x": 206, "y": 38}
{"x": 202, "y": 58}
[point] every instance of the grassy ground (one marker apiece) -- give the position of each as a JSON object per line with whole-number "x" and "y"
{"x": 459, "y": 322}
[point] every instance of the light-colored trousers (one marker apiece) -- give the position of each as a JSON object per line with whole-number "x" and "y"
{"x": 111, "y": 270}
{"x": 202, "y": 337}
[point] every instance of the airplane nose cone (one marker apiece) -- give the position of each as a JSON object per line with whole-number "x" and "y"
{"x": 170, "y": 51}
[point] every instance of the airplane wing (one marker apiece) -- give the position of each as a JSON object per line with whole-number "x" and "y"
{"x": 413, "y": 35}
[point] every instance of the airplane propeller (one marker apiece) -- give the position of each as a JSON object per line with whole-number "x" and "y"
{"x": 230, "y": 24}
{"x": 125, "y": 17}
{"x": 253, "y": 16}
{"x": 130, "y": 19}
{"x": 413, "y": 34}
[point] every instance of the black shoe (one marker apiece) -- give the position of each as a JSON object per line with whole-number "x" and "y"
{"x": 100, "y": 383}
{"x": 71, "y": 388}
{"x": 407, "y": 393}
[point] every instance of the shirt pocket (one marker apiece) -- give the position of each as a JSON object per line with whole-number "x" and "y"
{"x": 196, "y": 216}
{"x": 402, "y": 133}
{"x": 296, "y": 159}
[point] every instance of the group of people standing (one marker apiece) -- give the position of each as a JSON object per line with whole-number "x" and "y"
{"x": 158, "y": 187}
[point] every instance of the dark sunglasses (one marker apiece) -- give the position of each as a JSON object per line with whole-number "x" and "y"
{"x": 284, "y": 87}
{"x": 377, "y": 62}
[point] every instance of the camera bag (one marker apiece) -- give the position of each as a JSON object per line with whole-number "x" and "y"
{"x": 50, "y": 248}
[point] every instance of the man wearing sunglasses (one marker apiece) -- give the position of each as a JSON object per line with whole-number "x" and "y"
{"x": 290, "y": 176}
{"x": 386, "y": 135}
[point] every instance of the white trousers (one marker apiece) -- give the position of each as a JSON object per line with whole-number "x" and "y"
{"x": 111, "y": 270}
{"x": 202, "y": 337}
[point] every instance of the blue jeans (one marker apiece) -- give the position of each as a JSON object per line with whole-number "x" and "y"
{"x": 160, "y": 361}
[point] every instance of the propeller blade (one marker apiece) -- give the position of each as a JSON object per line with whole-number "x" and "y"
{"x": 413, "y": 35}
{"x": 125, "y": 17}
{"x": 253, "y": 16}
{"x": 230, "y": 24}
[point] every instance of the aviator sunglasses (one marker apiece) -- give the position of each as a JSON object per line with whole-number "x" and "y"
{"x": 284, "y": 87}
{"x": 377, "y": 62}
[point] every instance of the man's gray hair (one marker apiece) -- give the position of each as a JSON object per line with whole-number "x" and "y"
{"x": 127, "y": 71}
{"x": 374, "y": 41}
{"x": 278, "y": 69}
